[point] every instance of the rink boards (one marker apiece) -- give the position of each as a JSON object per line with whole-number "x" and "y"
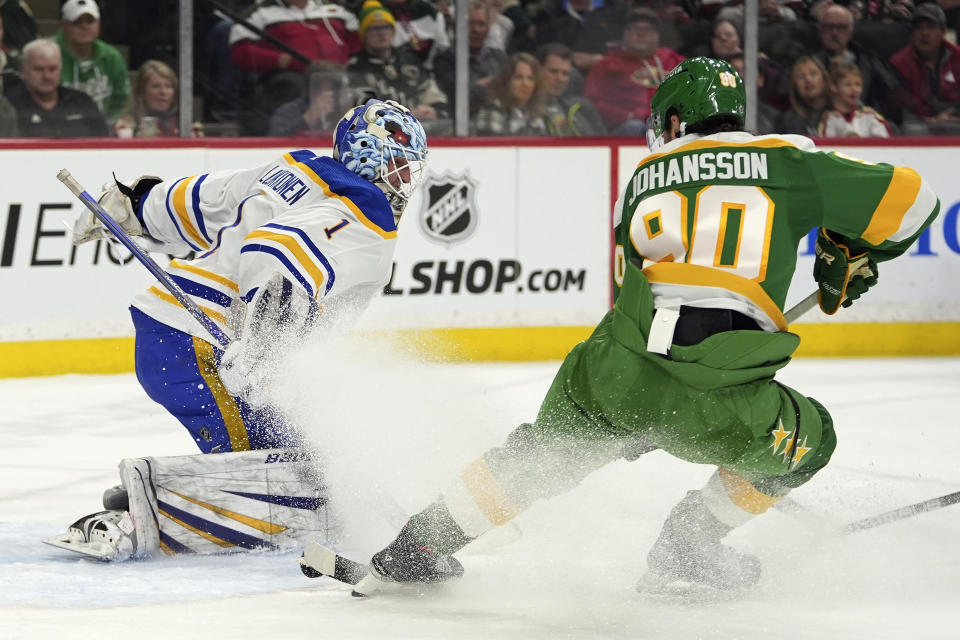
{"x": 504, "y": 254}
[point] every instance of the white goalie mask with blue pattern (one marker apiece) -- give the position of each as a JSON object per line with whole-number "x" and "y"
{"x": 381, "y": 141}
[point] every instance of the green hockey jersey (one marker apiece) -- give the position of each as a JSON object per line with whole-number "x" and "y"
{"x": 717, "y": 220}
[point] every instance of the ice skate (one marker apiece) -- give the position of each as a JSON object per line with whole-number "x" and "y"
{"x": 689, "y": 558}
{"x": 105, "y": 535}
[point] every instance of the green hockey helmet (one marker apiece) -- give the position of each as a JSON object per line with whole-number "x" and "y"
{"x": 696, "y": 89}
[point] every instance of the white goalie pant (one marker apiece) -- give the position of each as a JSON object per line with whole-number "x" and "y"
{"x": 269, "y": 499}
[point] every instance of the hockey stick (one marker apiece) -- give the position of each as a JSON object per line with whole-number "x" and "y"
{"x": 71, "y": 183}
{"x": 793, "y": 314}
{"x": 903, "y": 512}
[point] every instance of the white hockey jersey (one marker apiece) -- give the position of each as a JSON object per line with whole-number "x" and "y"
{"x": 303, "y": 215}
{"x": 862, "y": 122}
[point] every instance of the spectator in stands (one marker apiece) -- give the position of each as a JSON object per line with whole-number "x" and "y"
{"x": 768, "y": 12}
{"x": 587, "y": 27}
{"x": 766, "y": 114}
{"x": 835, "y": 30}
{"x": 523, "y": 31}
{"x": 515, "y": 103}
{"x": 328, "y": 98}
{"x": 8, "y": 115}
{"x": 21, "y": 27}
{"x": 621, "y": 83}
{"x": 6, "y": 60}
{"x": 90, "y": 64}
{"x": 310, "y": 29}
{"x": 420, "y": 28}
{"x": 9, "y": 57}
{"x": 809, "y": 94}
{"x": 393, "y": 73}
{"x": 8, "y": 120}
{"x": 725, "y": 40}
{"x": 566, "y": 115}
{"x": 849, "y": 117}
{"x": 501, "y": 27}
{"x": 316, "y": 30}
{"x": 484, "y": 63}
{"x": 930, "y": 69}
{"x": 45, "y": 108}
{"x": 154, "y": 111}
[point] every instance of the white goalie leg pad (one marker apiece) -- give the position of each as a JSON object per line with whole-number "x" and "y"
{"x": 214, "y": 503}
{"x": 271, "y": 499}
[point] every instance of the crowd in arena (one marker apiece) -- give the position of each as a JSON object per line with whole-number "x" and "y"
{"x": 826, "y": 68}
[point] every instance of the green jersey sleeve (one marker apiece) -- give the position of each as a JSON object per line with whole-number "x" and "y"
{"x": 880, "y": 208}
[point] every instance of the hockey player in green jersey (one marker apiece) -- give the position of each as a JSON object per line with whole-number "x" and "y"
{"x": 707, "y": 233}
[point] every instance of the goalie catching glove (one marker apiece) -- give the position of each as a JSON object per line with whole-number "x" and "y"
{"x": 841, "y": 276}
{"x": 277, "y": 317}
{"x": 120, "y": 202}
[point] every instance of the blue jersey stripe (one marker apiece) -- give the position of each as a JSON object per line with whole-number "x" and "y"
{"x": 231, "y": 225}
{"x": 173, "y": 217}
{"x": 195, "y": 199}
{"x": 331, "y": 276}
{"x": 276, "y": 253}
{"x": 199, "y": 290}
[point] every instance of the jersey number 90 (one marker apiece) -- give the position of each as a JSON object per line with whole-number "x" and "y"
{"x": 729, "y": 230}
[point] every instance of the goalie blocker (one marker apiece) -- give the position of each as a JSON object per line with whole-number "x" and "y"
{"x": 267, "y": 499}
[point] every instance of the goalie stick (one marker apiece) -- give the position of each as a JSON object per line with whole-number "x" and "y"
{"x": 71, "y": 183}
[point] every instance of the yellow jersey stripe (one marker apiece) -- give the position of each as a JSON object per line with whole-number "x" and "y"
{"x": 216, "y": 277}
{"x": 347, "y": 201}
{"x": 767, "y": 143}
{"x": 166, "y": 297}
{"x": 291, "y": 245}
{"x": 254, "y": 523}
{"x": 180, "y": 206}
{"x": 900, "y": 195}
{"x": 203, "y": 534}
{"x": 698, "y": 276}
{"x": 229, "y": 411}
{"x": 489, "y": 496}
{"x": 743, "y": 494}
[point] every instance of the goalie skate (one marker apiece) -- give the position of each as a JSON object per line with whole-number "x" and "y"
{"x": 105, "y": 535}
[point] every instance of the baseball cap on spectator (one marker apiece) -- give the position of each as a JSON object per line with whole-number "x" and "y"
{"x": 643, "y": 14}
{"x": 373, "y": 11}
{"x": 73, "y": 10}
{"x": 930, "y": 11}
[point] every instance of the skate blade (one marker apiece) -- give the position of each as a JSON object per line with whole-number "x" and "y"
{"x": 96, "y": 552}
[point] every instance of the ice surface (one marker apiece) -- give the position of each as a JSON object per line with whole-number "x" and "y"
{"x": 397, "y": 431}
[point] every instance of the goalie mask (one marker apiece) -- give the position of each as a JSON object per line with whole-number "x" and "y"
{"x": 381, "y": 141}
{"x": 696, "y": 90}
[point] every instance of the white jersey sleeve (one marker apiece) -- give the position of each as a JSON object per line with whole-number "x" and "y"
{"x": 304, "y": 216}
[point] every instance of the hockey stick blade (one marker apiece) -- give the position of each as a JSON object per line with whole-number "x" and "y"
{"x": 318, "y": 561}
{"x": 903, "y": 512}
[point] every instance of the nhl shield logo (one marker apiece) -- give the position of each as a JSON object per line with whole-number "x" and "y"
{"x": 449, "y": 210}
